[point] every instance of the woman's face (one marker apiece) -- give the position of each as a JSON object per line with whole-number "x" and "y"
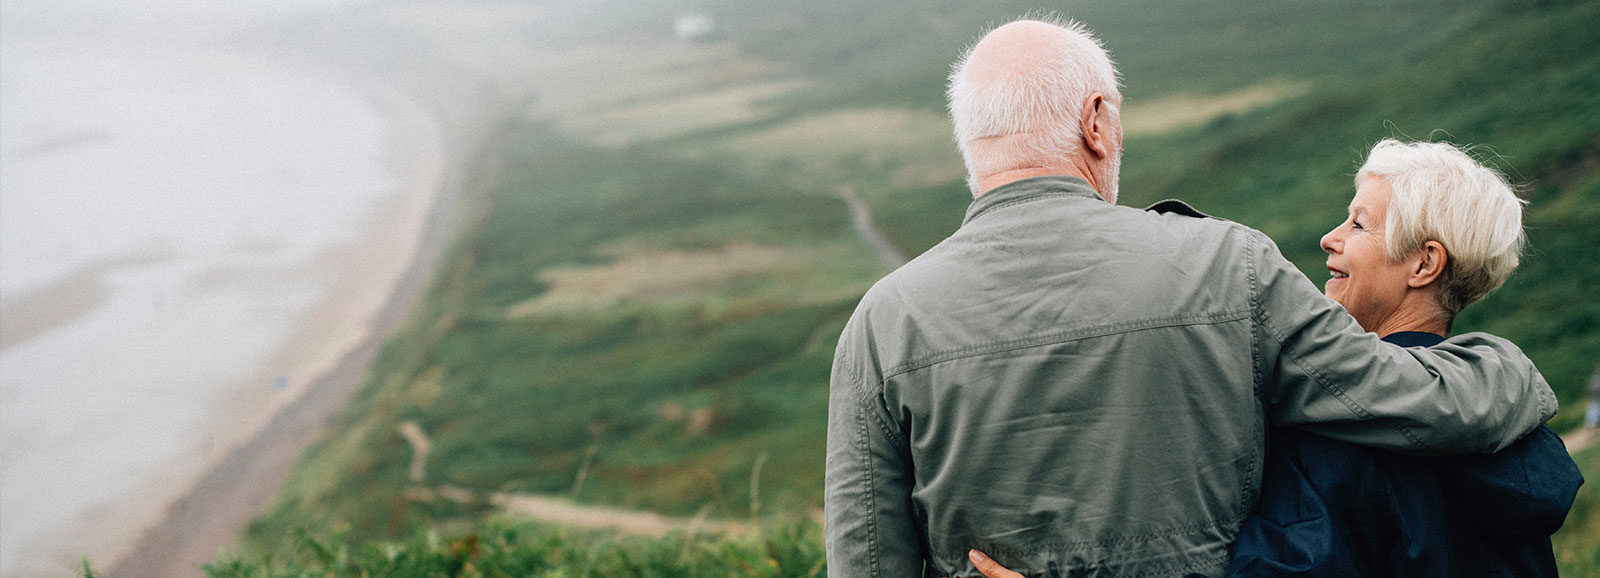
{"x": 1363, "y": 280}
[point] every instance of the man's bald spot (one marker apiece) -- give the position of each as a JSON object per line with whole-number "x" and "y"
{"x": 1016, "y": 49}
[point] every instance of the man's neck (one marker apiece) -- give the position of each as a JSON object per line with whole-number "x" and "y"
{"x": 994, "y": 181}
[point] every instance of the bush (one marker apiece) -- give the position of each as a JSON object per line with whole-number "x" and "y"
{"x": 507, "y": 551}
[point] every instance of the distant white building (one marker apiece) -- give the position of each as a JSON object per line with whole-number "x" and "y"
{"x": 692, "y": 26}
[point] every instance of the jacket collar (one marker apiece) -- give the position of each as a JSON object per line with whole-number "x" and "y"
{"x": 1029, "y": 189}
{"x": 1413, "y": 339}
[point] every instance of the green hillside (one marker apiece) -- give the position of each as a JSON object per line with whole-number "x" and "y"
{"x": 645, "y": 314}
{"x": 1523, "y": 80}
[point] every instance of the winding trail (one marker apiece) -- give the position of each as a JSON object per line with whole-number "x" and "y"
{"x": 421, "y": 448}
{"x": 566, "y": 513}
{"x": 861, "y": 216}
{"x": 552, "y": 510}
{"x": 1580, "y": 439}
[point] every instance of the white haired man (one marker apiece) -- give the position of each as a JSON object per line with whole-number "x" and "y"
{"x": 1078, "y": 388}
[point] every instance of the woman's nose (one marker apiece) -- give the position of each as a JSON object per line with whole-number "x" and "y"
{"x": 1330, "y": 239}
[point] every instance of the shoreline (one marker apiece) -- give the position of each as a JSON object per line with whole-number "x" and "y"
{"x": 444, "y": 121}
{"x": 236, "y": 485}
{"x": 364, "y": 286}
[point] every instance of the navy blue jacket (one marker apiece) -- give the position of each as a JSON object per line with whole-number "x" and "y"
{"x": 1330, "y": 508}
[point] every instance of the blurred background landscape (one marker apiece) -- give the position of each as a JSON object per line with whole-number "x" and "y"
{"x": 567, "y": 302}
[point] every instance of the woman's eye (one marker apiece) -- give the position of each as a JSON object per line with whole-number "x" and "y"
{"x": 1356, "y": 225}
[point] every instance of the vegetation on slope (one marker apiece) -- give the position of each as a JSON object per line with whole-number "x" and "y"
{"x": 499, "y": 549}
{"x": 649, "y": 324}
{"x": 534, "y": 360}
{"x": 527, "y": 551}
{"x": 1522, "y": 79}
{"x": 1577, "y": 550}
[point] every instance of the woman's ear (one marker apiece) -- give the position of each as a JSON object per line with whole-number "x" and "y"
{"x": 1430, "y": 263}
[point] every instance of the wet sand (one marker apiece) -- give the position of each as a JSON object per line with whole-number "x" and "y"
{"x": 57, "y": 304}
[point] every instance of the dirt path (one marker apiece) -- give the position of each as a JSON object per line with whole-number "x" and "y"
{"x": 861, "y": 216}
{"x": 421, "y": 447}
{"x": 566, "y": 513}
{"x": 556, "y": 511}
{"x": 1580, "y": 439}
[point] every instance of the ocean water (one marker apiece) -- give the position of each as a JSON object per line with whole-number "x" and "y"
{"x": 163, "y": 210}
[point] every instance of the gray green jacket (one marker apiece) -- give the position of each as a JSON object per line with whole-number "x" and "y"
{"x": 1082, "y": 389}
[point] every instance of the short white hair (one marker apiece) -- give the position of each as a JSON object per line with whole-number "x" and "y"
{"x": 1442, "y": 194}
{"x": 1047, "y": 105}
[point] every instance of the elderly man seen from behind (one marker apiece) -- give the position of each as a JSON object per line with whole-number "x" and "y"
{"x": 1078, "y": 388}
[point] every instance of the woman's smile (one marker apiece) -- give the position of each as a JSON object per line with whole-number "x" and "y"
{"x": 1360, "y": 275}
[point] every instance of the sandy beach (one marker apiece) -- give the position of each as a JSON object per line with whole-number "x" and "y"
{"x": 377, "y": 281}
{"x": 181, "y": 515}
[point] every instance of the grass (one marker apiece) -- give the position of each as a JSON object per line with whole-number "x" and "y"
{"x": 513, "y": 402}
{"x": 1577, "y": 553}
{"x": 510, "y": 550}
{"x": 1288, "y": 171}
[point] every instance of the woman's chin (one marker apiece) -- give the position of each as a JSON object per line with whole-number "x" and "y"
{"x": 1332, "y": 289}
{"x": 1337, "y": 297}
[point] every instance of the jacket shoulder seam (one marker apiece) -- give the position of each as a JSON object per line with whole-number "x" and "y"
{"x": 866, "y": 392}
{"x": 1066, "y": 336}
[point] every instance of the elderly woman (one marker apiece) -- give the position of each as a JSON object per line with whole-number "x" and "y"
{"x": 1430, "y": 231}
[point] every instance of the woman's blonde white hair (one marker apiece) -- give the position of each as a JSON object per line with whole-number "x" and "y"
{"x": 1442, "y": 194}
{"x": 1045, "y": 107}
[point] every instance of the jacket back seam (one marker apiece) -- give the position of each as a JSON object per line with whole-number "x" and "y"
{"x": 1129, "y": 539}
{"x": 1066, "y": 336}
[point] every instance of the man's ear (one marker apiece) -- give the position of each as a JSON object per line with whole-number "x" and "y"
{"x": 1431, "y": 260}
{"x": 1096, "y": 126}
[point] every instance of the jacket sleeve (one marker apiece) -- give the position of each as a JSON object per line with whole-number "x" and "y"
{"x": 1520, "y": 493}
{"x": 869, "y": 530}
{"x": 1319, "y": 371}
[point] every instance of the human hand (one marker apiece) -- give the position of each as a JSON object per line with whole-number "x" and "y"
{"x": 989, "y": 567}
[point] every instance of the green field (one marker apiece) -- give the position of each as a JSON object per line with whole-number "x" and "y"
{"x": 645, "y": 313}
